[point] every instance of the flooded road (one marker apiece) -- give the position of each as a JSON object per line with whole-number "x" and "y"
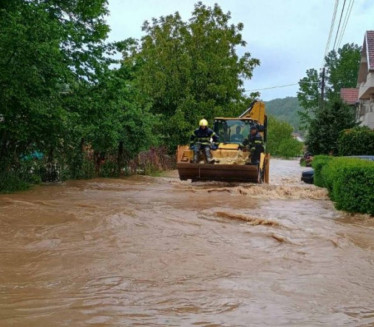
{"x": 155, "y": 251}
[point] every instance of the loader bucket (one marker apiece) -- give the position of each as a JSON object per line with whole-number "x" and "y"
{"x": 225, "y": 173}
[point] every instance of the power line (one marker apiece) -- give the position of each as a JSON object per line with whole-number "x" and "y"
{"x": 346, "y": 19}
{"x": 336, "y": 42}
{"x": 340, "y": 20}
{"x": 279, "y": 86}
{"x": 345, "y": 22}
{"x": 271, "y": 87}
{"x": 331, "y": 27}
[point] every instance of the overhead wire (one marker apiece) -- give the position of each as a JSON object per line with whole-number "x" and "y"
{"x": 331, "y": 27}
{"x": 271, "y": 87}
{"x": 337, "y": 41}
{"x": 345, "y": 22}
{"x": 338, "y": 29}
{"x": 279, "y": 86}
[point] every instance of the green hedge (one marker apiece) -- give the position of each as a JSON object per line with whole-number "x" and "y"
{"x": 356, "y": 141}
{"x": 350, "y": 182}
{"x": 318, "y": 163}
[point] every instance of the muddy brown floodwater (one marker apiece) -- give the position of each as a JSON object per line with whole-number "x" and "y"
{"x": 155, "y": 251}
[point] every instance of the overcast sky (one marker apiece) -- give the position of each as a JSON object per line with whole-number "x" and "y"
{"x": 288, "y": 36}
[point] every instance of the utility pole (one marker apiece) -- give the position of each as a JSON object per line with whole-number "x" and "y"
{"x": 323, "y": 89}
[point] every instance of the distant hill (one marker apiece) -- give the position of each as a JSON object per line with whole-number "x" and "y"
{"x": 285, "y": 109}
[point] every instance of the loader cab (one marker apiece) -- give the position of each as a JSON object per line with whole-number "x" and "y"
{"x": 233, "y": 130}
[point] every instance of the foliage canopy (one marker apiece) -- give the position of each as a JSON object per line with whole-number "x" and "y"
{"x": 60, "y": 96}
{"x": 191, "y": 69}
{"x": 341, "y": 70}
{"x": 327, "y": 125}
{"x": 280, "y": 141}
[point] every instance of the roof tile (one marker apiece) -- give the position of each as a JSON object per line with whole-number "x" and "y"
{"x": 370, "y": 48}
{"x": 349, "y": 96}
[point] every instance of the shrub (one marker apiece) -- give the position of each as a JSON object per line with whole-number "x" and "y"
{"x": 80, "y": 165}
{"x": 330, "y": 172}
{"x": 154, "y": 160}
{"x": 356, "y": 141}
{"x": 280, "y": 141}
{"x": 318, "y": 163}
{"x": 290, "y": 148}
{"x": 11, "y": 182}
{"x": 350, "y": 182}
{"x": 81, "y": 168}
{"x": 354, "y": 190}
{"x": 109, "y": 169}
{"x": 326, "y": 126}
{"x": 20, "y": 176}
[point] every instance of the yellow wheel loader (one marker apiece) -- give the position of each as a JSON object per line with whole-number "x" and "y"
{"x": 231, "y": 159}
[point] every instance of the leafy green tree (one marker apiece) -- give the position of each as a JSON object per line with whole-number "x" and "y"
{"x": 309, "y": 96}
{"x": 190, "y": 70}
{"x": 58, "y": 94}
{"x": 341, "y": 69}
{"x": 309, "y": 92}
{"x": 327, "y": 125}
{"x": 280, "y": 141}
{"x": 47, "y": 47}
{"x": 109, "y": 118}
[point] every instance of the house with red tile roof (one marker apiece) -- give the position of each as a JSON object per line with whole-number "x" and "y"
{"x": 365, "y": 82}
{"x": 349, "y": 96}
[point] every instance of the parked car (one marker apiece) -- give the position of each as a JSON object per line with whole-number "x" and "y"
{"x": 307, "y": 176}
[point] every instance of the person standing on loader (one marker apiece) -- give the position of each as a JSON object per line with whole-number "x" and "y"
{"x": 201, "y": 140}
{"x": 255, "y": 145}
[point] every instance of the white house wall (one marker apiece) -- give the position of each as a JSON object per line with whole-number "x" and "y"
{"x": 366, "y": 113}
{"x": 366, "y": 90}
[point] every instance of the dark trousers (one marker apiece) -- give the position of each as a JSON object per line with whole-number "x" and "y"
{"x": 256, "y": 153}
{"x": 201, "y": 147}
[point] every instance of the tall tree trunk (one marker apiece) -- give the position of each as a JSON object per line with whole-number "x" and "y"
{"x": 120, "y": 158}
